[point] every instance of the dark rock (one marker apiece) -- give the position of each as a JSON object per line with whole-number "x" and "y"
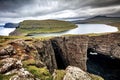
{"x": 11, "y": 25}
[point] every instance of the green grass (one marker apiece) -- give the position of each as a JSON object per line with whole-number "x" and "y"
{"x": 59, "y": 74}
{"x": 5, "y": 77}
{"x": 41, "y": 73}
{"x": 44, "y": 26}
{"x": 95, "y": 77}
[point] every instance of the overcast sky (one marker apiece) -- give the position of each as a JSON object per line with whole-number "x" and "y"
{"x": 18, "y": 10}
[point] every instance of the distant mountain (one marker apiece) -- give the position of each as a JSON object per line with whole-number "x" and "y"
{"x": 98, "y": 19}
{"x": 1, "y": 25}
{"x": 10, "y": 25}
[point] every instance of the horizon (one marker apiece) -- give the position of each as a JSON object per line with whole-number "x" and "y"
{"x": 18, "y": 10}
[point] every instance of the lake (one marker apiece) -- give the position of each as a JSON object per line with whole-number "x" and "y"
{"x": 81, "y": 29}
{"x": 6, "y": 31}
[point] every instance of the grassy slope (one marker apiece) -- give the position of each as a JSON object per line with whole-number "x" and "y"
{"x": 44, "y": 26}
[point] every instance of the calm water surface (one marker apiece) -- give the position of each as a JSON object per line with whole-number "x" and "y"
{"x": 83, "y": 29}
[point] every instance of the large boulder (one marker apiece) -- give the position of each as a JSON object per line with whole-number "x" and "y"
{"x": 75, "y": 73}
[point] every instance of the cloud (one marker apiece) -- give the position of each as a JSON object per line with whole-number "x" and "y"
{"x": 18, "y": 10}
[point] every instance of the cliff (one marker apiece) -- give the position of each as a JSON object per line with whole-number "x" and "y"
{"x": 34, "y": 59}
{"x": 108, "y": 44}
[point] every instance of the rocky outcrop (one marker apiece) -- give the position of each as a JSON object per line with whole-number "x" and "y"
{"x": 71, "y": 50}
{"x": 15, "y": 33}
{"x": 108, "y": 44}
{"x": 45, "y": 54}
{"x": 74, "y": 73}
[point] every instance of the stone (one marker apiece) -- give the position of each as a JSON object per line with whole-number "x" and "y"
{"x": 10, "y": 64}
{"x": 75, "y": 73}
{"x": 8, "y": 50}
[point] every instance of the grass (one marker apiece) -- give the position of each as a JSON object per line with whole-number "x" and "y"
{"x": 44, "y": 26}
{"x": 28, "y": 62}
{"x": 116, "y": 24}
{"x": 41, "y": 73}
{"x": 95, "y": 77}
{"x": 59, "y": 74}
{"x": 5, "y": 77}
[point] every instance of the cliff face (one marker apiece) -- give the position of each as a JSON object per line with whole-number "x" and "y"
{"x": 108, "y": 44}
{"x": 71, "y": 50}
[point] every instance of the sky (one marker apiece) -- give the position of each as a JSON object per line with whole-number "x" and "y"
{"x": 19, "y": 10}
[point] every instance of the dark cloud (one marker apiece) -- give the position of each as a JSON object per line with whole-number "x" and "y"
{"x": 17, "y": 10}
{"x": 11, "y": 5}
{"x": 104, "y": 3}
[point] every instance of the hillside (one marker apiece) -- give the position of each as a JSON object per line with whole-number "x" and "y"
{"x": 113, "y": 21}
{"x": 43, "y": 26}
{"x": 99, "y": 20}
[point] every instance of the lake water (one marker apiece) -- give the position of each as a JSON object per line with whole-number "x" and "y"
{"x": 6, "y": 31}
{"x": 81, "y": 29}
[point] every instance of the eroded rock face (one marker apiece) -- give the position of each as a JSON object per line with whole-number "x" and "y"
{"x": 108, "y": 44}
{"x": 72, "y": 50}
{"x": 45, "y": 54}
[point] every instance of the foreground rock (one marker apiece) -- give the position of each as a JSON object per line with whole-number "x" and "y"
{"x": 74, "y": 73}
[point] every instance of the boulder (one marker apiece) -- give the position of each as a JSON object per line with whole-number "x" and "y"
{"x": 9, "y": 64}
{"x": 75, "y": 73}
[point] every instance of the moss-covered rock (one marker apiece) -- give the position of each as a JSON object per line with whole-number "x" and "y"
{"x": 5, "y": 77}
{"x": 95, "y": 77}
{"x": 58, "y": 74}
{"x": 41, "y": 73}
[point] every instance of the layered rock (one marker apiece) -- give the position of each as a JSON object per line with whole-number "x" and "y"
{"x": 45, "y": 54}
{"x": 71, "y": 50}
{"x": 108, "y": 44}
